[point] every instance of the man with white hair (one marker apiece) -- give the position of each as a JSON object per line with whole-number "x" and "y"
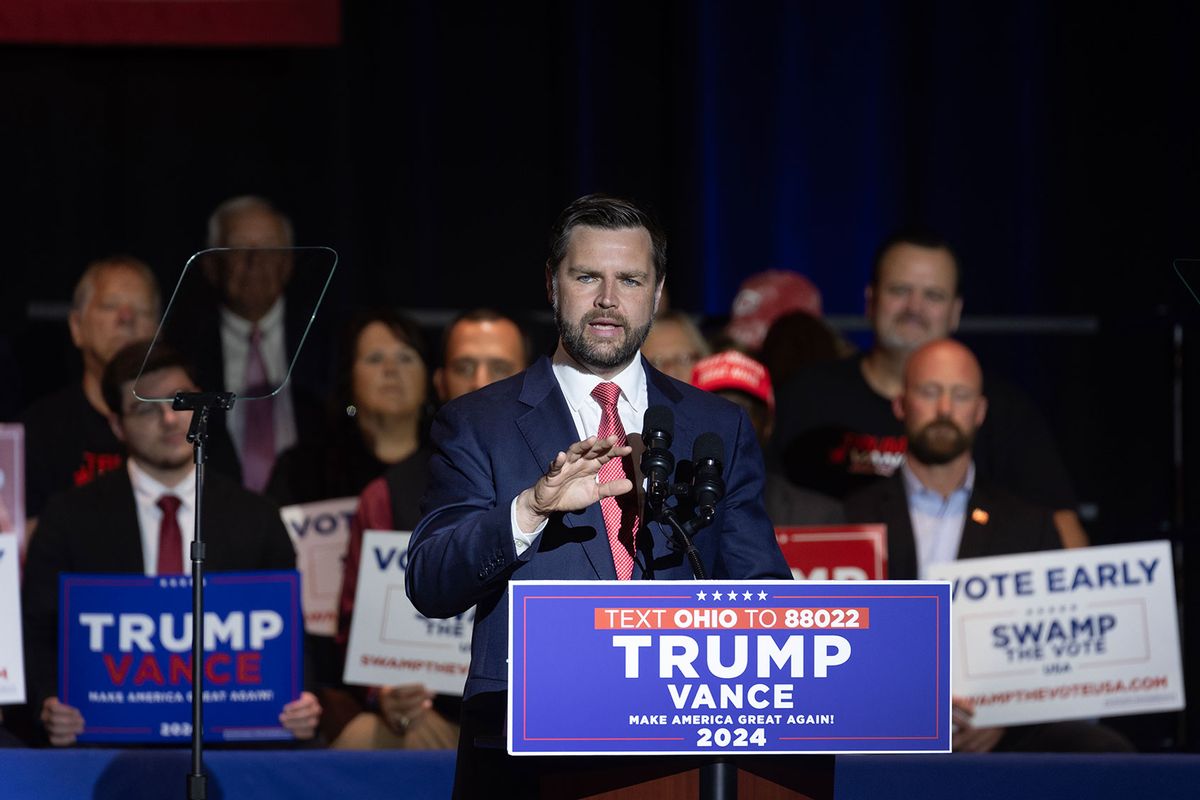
{"x": 68, "y": 441}
{"x": 247, "y": 343}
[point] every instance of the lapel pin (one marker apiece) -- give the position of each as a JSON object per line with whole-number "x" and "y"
{"x": 980, "y": 516}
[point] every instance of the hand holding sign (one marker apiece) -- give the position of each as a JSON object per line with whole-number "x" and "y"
{"x": 63, "y": 723}
{"x": 968, "y": 738}
{"x": 301, "y": 716}
{"x": 400, "y": 705}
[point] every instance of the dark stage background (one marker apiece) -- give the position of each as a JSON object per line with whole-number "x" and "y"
{"x": 1055, "y": 144}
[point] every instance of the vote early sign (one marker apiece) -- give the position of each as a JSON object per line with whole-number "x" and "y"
{"x": 728, "y": 666}
{"x": 1066, "y": 634}
{"x": 125, "y": 655}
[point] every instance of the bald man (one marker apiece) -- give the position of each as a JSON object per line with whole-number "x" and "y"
{"x": 937, "y": 509}
{"x": 835, "y": 430}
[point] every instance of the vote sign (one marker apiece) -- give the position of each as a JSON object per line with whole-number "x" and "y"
{"x": 391, "y": 643}
{"x": 608, "y": 667}
{"x": 1067, "y": 634}
{"x": 320, "y": 534}
{"x": 125, "y": 656}
{"x": 12, "y": 486}
{"x": 835, "y": 552}
{"x": 12, "y": 668}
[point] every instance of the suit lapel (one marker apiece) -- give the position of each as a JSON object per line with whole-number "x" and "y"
{"x": 901, "y": 541}
{"x": 119, "y": 542}
{"x": 975, "y": 525}
{"x": 548, "y": 429}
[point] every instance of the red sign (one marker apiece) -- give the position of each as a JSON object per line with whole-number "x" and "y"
{"x": 835, "y": 552}
{"x": 198, "y": 23}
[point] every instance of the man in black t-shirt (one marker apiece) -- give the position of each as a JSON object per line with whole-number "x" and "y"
{"x": 835, "y": 431}
{"x": 68, "y": 440}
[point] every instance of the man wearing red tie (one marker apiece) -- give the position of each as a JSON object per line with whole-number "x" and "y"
{"x": 533, "y": 477}
{"x": 140, "y": 520}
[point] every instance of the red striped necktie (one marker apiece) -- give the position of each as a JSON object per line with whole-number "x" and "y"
{"x": 620, "y": 513}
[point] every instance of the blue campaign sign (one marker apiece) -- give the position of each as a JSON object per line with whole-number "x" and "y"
{"x": 125, "y": 656}
{"x": 728, "y": 666}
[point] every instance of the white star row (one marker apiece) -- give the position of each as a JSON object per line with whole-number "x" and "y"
{"x": 731, "y": 595}
{"x": 177, "y": 582}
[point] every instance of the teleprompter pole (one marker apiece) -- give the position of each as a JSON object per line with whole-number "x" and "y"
{"x": 201, "y": 404}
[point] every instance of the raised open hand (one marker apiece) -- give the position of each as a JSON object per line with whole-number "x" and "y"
{"x": 570, "y": 483}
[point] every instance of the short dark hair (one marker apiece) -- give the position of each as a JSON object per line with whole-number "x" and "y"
{"x": 127, "y": 364}
{"x": 609, "y": 213}
{"x": 400, "y": 326}
{"x": 485, "y": 315}
{"x": 919, "y": 237}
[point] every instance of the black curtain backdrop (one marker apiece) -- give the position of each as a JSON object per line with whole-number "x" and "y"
{"x": 1055, "y": 144}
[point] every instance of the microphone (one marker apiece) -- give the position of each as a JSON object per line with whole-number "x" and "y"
{"x": 658, "y": 429}
{"x": 708, "y": 487}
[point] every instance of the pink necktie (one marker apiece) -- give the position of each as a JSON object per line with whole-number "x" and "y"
{"x": 170, "y": 539}
{"x": 258, "y": 433}
{"x": 620, "y": 513}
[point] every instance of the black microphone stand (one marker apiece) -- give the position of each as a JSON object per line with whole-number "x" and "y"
{"x": 718, "y": 775}
{"x": 656, "y": 510}
{"x": 201, "y": 404}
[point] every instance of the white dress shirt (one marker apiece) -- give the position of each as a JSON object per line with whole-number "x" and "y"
{"x": 146, "y": 493}
{"x": 937, "y": 521}
{"x": 577, "y": 383}
{"x": 235, "y": 350}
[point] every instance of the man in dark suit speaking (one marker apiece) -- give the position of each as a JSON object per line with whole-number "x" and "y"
{"x": 139, "y": 519}
{"x": 532, "y": 477}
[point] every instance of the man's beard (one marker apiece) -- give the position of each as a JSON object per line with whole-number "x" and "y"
{"x": 939, "y": 442}
{"x": 600, "y": 355}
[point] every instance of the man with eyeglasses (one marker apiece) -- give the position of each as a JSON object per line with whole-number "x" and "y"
{"x": 139, "y": 519}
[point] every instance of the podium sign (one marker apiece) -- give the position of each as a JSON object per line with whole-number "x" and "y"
{"x": 834, "y": 552}
{"x": 622, "y": 667}
{"x": 1066, "y": 634}
{"x": 125, "y": 655}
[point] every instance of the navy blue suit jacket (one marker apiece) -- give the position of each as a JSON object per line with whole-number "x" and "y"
{"x": 494, "y": 443}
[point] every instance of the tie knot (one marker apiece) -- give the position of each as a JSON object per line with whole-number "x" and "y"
{"x": 169, "y": 504}
{"x": 606, "y": 394}
{"x": 255, "y": 336}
